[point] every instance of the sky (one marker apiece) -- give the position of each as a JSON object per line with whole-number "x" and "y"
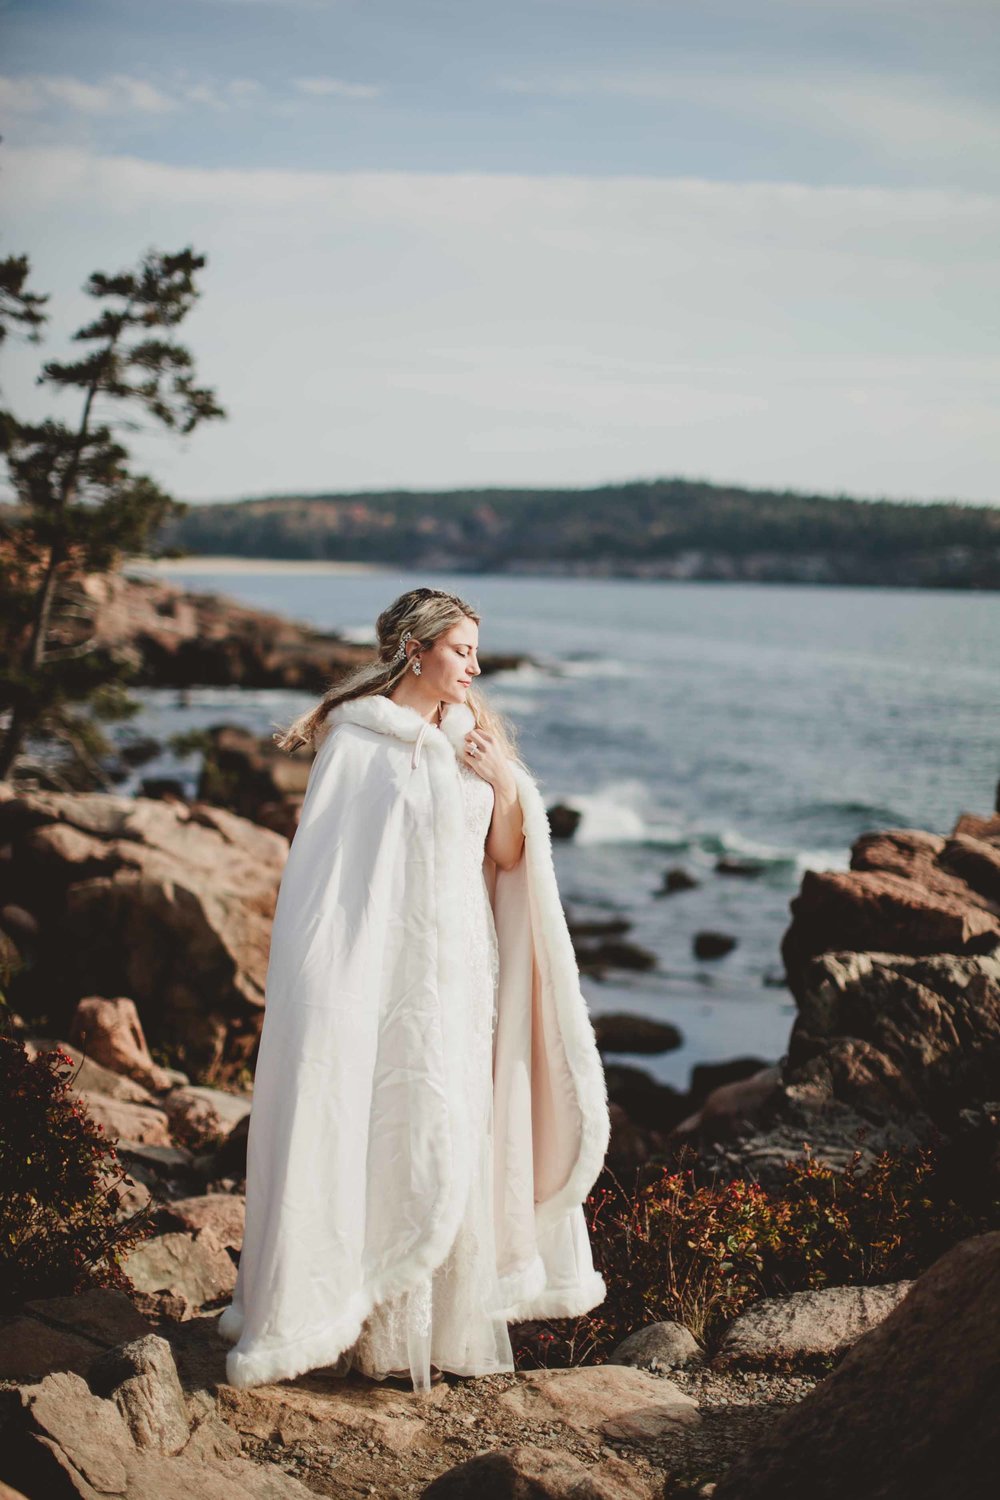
{"x": 545, "y": 242}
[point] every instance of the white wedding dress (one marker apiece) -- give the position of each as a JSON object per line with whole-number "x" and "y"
{"x": 449, "y": 1319}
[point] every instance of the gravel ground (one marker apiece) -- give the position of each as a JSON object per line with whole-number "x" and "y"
{"x": 736, "y": 1408}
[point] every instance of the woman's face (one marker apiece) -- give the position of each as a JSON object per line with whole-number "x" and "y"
{"x": 449, "y": 665}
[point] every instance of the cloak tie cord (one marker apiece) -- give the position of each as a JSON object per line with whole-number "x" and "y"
{"x": 415, "y": 760}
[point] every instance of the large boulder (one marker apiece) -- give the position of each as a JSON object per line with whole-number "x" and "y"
{"x": 619, "y": 1031}
{"x": 193, "y": 1269}
{"x": 222, "y": 1213}
{"x": 141, "y": 1124}
{"x": 805, "y": 1330}
{"x": 647, "y": 1102}
{"x": 92, "y": 1077}
{"x": 112, "y": 1034}
{"x": 202, "y": 1118}
{"x": 167, "y": 903}
{"x": 910, "y": 1413}
{"x": 731, "y": 1105}
{"x": 252, "y": 777}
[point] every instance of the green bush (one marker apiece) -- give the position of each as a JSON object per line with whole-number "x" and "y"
{"x": 671, "y": 1249}
{"x": 59, "y": 1185}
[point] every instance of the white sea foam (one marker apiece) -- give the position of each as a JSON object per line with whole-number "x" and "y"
{"x": 822, "y": 859}
{"x": 618, "y": 813}
{"x": 542, "y": 669}
{"x": 358, "y": 635}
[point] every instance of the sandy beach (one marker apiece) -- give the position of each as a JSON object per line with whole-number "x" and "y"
{"x": 203, "y": 564}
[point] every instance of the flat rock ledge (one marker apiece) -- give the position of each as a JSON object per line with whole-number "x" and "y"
{"x": 151, "y": 1418}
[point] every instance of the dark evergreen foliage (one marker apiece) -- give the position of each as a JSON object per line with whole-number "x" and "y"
{"x": 79, "y": 510}
{"x": 664, "y": 527}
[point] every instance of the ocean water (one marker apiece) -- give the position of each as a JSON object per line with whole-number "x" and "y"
{"x": 685, "y": 721}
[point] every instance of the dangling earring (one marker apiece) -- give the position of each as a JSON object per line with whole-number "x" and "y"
{"x": 416, "y": 666}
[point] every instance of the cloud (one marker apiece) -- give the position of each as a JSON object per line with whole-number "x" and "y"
{"x": 896, "y": 115}
{"x": 338, "y": 87}
{"x": 119, "y": 94}
{"x": 434, "y": 328}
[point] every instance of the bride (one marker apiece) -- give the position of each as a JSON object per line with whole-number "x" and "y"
{"x": 429, "y": 1107}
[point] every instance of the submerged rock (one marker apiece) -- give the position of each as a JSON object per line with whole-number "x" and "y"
{"x": 709, "y": 944}
{"x": 619, "y": 1031}
{"x": 677, "y": 879}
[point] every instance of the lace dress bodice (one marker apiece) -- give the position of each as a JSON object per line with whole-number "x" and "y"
{"x": 480, "y": 933}
{"x": 449, "y": 1318}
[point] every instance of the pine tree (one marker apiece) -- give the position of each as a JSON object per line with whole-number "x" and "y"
{"x": 78, "y": 507}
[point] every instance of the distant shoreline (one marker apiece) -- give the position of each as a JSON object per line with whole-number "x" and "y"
{"x": 207, "y": 564}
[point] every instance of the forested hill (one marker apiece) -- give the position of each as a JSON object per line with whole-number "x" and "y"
{"x": 656, "y": 529}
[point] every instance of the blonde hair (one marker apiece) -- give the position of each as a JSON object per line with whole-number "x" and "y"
{"x": 426, "y": 614}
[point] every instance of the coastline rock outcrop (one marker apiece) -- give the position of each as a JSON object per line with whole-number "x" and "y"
{"x": 177, "y": 637}
{"x": 897, "y": 1036}
{"x": 895, "y": 970}
{"x": 907, "y": 892}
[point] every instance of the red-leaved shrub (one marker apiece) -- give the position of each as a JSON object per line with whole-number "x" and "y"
{"x": 672, "y": 1249}
{"x": 59, "y": 1179}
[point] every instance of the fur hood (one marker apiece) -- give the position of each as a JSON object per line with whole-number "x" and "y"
{"x": 378, "y": 712}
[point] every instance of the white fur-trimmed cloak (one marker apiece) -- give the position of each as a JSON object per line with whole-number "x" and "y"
{"x": 358, "y": 1161}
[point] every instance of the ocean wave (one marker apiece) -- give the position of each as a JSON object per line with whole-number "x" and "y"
{"x": 182, "y": 698}
{"x": 525, "y": 677}
{"x": 542, "y": 670}
{"x": 513, "y": 703}
{"x": 853, "y": 807}
{"x": 600, "y": 666}
{"x": 772, "y": 856}
{"x": 618, "y": 813}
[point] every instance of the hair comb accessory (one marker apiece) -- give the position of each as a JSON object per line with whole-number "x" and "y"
{"x": 401, "y": 648}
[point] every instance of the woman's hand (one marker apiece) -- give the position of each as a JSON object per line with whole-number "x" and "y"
{"x": 505, "y": 838}
{"x": 484, "y": 756}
